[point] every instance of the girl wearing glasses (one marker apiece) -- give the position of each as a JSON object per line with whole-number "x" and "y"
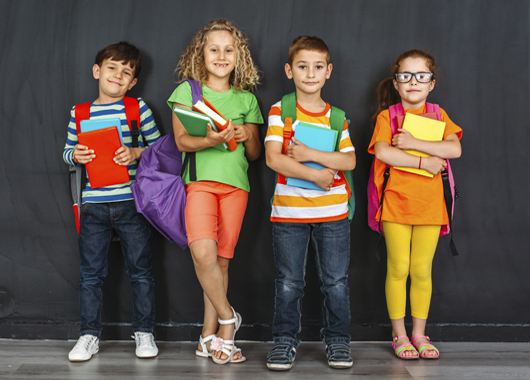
{"x": 414, "y": 208}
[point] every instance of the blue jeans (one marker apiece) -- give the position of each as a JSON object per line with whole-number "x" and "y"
{"x": 331, "y": 241}
{"x": 98, "y": 220}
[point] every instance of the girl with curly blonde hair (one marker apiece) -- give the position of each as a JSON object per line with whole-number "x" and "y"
{"x": 218, "y": 59}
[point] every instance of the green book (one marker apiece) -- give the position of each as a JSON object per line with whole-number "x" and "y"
{"x": 196, "y": 124}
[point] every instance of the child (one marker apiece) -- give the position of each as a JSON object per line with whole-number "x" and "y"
{"x": 219, "y": 59}
{"x": 112, "y": 208}
{"x": 300, "y": 215}
{"x": 414, "y": 206}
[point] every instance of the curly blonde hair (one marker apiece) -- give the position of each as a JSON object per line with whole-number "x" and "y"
{"x": 191, "y": 64}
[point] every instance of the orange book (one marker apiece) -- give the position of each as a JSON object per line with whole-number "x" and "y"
{"x": 400, "y": 118}
{"x": 206, "y": 108}
{"x": 102, "y": 170}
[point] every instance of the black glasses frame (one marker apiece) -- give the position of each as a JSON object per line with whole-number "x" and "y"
{"x": 431, "y": 75}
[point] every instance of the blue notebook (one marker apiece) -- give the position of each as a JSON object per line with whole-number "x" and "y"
{"x": 93, "y": 125}
{"x": 316, "y": 138}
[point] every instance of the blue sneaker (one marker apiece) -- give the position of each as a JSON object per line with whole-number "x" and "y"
{"x": 281, "y": 357}
{"x": 339, "y": 355}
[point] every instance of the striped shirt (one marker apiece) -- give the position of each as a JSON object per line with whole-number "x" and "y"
{"x": 298, "y": 205}
{"x": 149, "y": 133}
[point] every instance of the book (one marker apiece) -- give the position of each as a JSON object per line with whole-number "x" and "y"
{"x": 423, "y": 127}
{"x": 102, "y": 170}
{"x": 314, "y": 137}
{"x": 206, "y": 108}
{"x": 196, "y": 123}
{"x": 95, "y": 124}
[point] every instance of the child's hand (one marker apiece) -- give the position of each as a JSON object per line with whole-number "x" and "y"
{"x": 242, "y": 132}
{"x": 403, "y": 140}
{"x": 82, "y": 154}
{"x": 221, "y": 137}
{"x": 324, "y": 178}
{"x": 299, "y": 152}
{"x": 125, "y": 155}
{"x": 433, "y": 164}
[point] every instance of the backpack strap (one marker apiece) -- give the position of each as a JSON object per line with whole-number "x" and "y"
{"x": 190, "y": 158}
{"x": 132, "y": 113}
{"x": 288, "y": 109}
{"x": 82, "y": 112}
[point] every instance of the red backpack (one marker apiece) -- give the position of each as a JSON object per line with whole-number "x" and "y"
{"x": 77, "y": 172}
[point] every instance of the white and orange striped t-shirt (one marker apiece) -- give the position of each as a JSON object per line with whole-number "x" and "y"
{"x": 298, "y": 205}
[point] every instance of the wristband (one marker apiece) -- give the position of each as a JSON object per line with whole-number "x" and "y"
{"x": 419, "y": 166}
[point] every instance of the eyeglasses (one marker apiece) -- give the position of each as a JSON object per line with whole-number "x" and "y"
{"x": 420, "y": 77}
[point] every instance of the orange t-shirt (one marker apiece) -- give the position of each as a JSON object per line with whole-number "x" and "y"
{"x": 410, "y": 198}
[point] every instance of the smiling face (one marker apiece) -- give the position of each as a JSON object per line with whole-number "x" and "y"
{"x": 115, "y": 79}
{"x": 219, "y": 56}
{"x": 309, "y": 71}
{"x": 414, "y": 94}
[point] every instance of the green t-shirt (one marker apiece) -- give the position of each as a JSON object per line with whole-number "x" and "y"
{"x": 213, "y": 164}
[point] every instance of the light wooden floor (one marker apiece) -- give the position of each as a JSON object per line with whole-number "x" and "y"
{"x": 36, "y": 360}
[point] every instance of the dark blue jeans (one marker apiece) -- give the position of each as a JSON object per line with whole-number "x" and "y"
{"x": 98, "y": 220}
{"x": 331, "y": 241}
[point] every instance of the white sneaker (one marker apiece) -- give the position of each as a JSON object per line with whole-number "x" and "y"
{"x": 145, "y": 345}
{"x": 86, "y": 346}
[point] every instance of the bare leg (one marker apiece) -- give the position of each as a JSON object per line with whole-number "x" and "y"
{"x": 418, "y": 328}
{"x": 211, "y": 278}
{"x": 210, "y": 315}
{"x": 398, "y": 329}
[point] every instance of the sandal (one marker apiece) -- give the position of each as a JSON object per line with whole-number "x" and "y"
{"x": 227, "y": 346}
{"x": 204, "y": 353}
{"x": 423, "y": 348}
{"x": 400, "y": 351}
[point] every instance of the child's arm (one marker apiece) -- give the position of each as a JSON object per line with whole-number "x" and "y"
{"x": 187, "y": 143}
{"x": 247, "y": 133}
{"x": 396, "y": 157}
{"x": 289, "y": 167}
{"x": 332, "y": 160}
{"x": 448, "y": 148}
{"x": 126, "y": 155}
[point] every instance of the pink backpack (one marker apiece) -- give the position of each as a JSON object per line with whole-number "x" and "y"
{"x": 450, "y": 193}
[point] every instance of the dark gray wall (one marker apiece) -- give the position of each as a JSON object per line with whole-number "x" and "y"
{"x": 47, "y": 50}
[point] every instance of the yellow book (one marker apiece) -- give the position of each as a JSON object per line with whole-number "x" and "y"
{"x": 422, "y": 128}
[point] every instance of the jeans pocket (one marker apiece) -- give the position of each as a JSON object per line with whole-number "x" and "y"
{"x": 83, "y": 208}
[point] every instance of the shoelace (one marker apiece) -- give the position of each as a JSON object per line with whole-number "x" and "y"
{"x": 85, "y": 341}
{"x": 144, "y": 339}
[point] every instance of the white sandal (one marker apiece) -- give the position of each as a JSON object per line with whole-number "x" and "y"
{"x": 227, "y": 346}
{"x": 204, "y": 353}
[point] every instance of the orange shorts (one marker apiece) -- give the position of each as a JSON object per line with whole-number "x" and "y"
{"x": 215, "y": 211}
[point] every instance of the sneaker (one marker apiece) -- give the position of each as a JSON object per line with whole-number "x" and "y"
{"x": 339, "y": 355}
{"x": 86, "y": 346}
{"x": 145, "y": 345}
{"x": 281, "y": 357}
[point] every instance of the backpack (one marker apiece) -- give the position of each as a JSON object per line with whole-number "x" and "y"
{"x": 450, "y": 192}
{"x": 78, "y": 172}
{"x": 159, "y": 192}
{"x": 336, "y": 121}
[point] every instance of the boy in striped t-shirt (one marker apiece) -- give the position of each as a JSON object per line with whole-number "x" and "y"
{"x": 111, "y": 208}
{"x": 300, "y": 215}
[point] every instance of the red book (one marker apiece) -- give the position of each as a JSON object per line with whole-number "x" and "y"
{"x": 102, "y": 170}
{"x": 206, "y": 108}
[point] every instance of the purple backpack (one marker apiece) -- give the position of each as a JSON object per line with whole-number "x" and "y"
{"x": 158, "y": 191}
{"x": 450, "y": 193}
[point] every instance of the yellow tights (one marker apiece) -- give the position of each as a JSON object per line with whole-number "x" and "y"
{"x": 410, "y": 250}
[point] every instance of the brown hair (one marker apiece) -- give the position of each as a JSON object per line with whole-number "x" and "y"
{"x": 122, "y": 52}
{"x": 386, "y": 94}
{"x": 307, "y": 43}
{"x": 191, "y": 64}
